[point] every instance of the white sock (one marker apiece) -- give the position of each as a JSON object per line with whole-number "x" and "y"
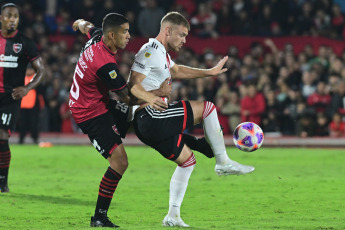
{"x": 213, "y": 132}
{"x": 178, "y": 186}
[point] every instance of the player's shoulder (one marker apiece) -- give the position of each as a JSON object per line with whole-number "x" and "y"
{"x": 149, "y": 49}
{"x": 20, "y": 35}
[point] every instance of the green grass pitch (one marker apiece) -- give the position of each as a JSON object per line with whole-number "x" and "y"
{"x": 291, "y": 188}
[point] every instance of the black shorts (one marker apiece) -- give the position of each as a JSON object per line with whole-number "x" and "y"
{"x": 105, "y": 131}
{"x": 9, "y": 111}
{"x": 163, "y": 130}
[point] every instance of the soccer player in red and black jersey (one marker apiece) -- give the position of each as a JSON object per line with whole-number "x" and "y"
{"x": 102, "y": 119}
{"x": 16, "y": 51}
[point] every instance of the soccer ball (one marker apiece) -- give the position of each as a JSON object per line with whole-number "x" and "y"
{"x": 248, "y": 136}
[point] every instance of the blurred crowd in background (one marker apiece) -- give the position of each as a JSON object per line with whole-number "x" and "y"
{"x": 285, "y": 93}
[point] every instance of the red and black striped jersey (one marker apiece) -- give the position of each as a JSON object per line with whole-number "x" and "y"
{"x": 95, "y": 74}
{"x": 15, "y": 54}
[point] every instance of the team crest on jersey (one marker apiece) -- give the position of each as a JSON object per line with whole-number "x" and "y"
{"x": 115, "y": 130}
{"x": 17, "y": 47}
{"x": 113, "y": 74}
{"x": 147, "y": 54}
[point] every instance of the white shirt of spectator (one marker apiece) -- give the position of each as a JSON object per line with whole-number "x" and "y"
{"x": 153, "y": 61}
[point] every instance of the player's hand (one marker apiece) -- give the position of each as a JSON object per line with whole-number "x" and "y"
{"x": 75, "y": 25}
{"x": 218, "y": 69}
{"x": 19, "y": 92}
{"x": 82, "y": 25}
{"x": 158, "y": 104}
{"x": 166, "y": 88}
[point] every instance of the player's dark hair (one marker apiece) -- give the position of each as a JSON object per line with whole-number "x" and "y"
{"x": 113, "y": 20}
{"x": 176, "y": 18}
{"x": 8, "y": 5}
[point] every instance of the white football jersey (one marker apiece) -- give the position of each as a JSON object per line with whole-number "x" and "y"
{"x": 153, "y": 61}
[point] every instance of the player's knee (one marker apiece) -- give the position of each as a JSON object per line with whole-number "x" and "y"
{"x": 120, "y": 164}
{"x": 124, "y": 163}
{"x": 3, "y": 134}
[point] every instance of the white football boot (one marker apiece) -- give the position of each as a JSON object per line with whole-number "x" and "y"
{"x": 231, "y": 167}
{"x": 173, "y": 222}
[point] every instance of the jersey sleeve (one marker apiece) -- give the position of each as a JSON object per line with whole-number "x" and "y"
{"x": 144, "y": 61}
{"x": 32, "y": 51}
{"x": 94, "y": 31}
{"x": 109, "y": 74}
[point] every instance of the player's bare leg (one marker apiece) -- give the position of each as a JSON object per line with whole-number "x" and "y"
{"x": 206, "y": 113}
{"x": 118, "y": 164}
{"x": 178, "y": 186}
{"x": 5, "y": 158}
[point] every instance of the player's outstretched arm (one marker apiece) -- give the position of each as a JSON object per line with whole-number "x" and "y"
{"x": 186, "y": 72}
{"x": 139, "y": 92}
{"x": 82, "y": 25}
{"x": 19, "y": 92}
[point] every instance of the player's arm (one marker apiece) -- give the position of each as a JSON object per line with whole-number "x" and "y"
{"x": 186, "y": 72}
{"x": 164, "y": 90}
{"x": 82, "y": 25}
{"x": 19, "y": 92}
{"x": 129, "y": 99}
{"x": 139, "y": 92}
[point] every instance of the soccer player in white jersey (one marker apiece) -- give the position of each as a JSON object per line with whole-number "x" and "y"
{"x": 162, "y": 130}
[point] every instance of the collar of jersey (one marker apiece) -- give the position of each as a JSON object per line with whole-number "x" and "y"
{"x": 160, "y": 45}
{"x": 106, "y": 48}
{"x": 9, "y": 36}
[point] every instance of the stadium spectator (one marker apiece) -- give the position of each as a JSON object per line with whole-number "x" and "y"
{"x": 338, "y": 21}
{"x": 337, "y": 126}
{"x": 149, "y": 18}
{"x": 337, "y": 104}
{"x": 271, "y": 119}
{"x": 232, "y": 109}
{"x": 322, "y": 126}
{"x": 320, "y": 99}
{"x": 204, "y": 22}
{"x": 306, "y": 126}
{"x": 304, "y": 21}
{"x": 252, "y": 105}
{"x": 308, "y": 81}
{"x": 223, "y": 25}
{"x": 17, "y": 51}
{"x": 29, "y": 113}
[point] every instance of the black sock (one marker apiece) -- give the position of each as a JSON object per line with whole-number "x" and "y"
{"x": 107, "y": 188}
{"x": 5, "y": 158}
{"x": 198, "y": 144}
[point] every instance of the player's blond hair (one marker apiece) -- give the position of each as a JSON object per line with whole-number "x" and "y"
{"x": 175, "y": 18}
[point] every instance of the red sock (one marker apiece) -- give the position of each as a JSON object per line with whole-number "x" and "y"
{"x": 5, "y": 158}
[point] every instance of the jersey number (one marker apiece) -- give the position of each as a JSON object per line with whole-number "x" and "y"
{"x": 75, "y": 87}
{"x": 6, "y": 118}
{"x": 122, "y": 107}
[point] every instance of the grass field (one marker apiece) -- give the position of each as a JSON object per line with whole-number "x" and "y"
{"x": 56, "y": 188}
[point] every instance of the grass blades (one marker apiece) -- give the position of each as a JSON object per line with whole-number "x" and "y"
{"x": 291, "y": 188}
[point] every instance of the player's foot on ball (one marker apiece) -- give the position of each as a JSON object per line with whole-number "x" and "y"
{"x": 233, "y": 168}
{"x": 102, "y": 221}
{"x": 173, "y": 222}
{"x": 4, "y": 188}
